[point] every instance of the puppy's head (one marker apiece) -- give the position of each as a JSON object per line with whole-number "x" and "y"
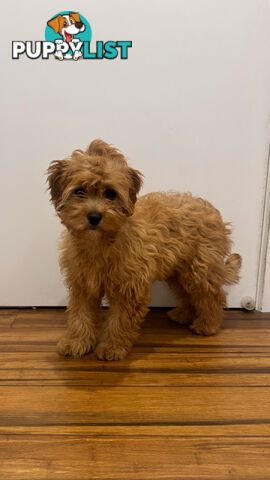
{"x": 67, "y": 25}
{"x": 94, "y": 190}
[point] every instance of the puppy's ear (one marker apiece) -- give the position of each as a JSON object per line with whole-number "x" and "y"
{"x": 54, "y": 23}
{"x": 75, "y": 15}
{"x": 135, "y": 184}
{"x": 57, "y": 180}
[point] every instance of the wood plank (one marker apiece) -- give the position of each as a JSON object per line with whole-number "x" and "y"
{"x": 138, "y": 362}
{"x": 150, "y": 337}
{"x": 132, "y": 379}
{"x": 226, "y": 337}
{"x": 77, "y": 458}
{"x": 155, "y": 318}
{"x": 153, "y": 370}
{"x": 50, "y": 405}
{"x": 7, "y": 319}
{"x": 41, "y": 317}
{"x": 89, "y": 430}
{"x": 9, "y": 311}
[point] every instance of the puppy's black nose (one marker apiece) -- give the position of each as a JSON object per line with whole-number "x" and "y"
{"x": 78, "y": 24}
{"x": 94, "y": 218}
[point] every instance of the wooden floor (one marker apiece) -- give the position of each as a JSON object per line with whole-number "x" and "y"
{"x": 179, "y": 407}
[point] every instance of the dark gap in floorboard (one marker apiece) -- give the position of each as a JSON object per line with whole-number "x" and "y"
{"x": 122, "y": 435}
{"x": 216, "y": 371}
{"x": 61, "y": 307}
{"x": 201, "y": 423}
{"x": 98, "y": 385}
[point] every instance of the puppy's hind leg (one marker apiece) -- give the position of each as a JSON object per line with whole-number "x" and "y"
{"x": 184, "y": 313}
{"x": 209, "y": 312}
{"x": 208, "y": 301}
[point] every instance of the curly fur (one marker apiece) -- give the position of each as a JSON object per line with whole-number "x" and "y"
{"x": 167, "y": 236}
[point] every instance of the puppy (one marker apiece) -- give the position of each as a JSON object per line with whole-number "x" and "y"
{"x": 115, "y": 245}
{"x": 67, "y": 26}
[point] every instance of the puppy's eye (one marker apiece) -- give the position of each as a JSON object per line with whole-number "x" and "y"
{"x": 65, "y": 24}
{"x": 110, "y": 194}
{"x": 80, "y": 192}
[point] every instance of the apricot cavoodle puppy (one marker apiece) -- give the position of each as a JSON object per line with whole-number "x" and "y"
{"x": 116, "y": 246}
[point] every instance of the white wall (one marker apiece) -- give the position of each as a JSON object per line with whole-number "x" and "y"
{"x": 190, "y": 108}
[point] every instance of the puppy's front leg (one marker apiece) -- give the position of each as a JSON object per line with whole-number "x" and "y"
{"x": 121, "y": 329}
{"x": 80, "y": 337}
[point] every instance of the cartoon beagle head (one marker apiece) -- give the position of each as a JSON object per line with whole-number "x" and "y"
{"x": 67, "y": 25}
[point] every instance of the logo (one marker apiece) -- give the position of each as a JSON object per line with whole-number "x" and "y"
{"x": 68, "y": 36}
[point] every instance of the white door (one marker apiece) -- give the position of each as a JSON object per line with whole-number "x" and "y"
{"x": 189, "y": 107}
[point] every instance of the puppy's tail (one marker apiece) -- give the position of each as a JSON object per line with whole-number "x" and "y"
{"x": 232, "y": 266}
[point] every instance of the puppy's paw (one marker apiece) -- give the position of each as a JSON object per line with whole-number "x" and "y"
{"x": 180, "y": 315}
{"x": 106, "y": 351}
{"x": 77, "y": 54}
{"x": 74, "y": 346}
{"x": 59, "y": 56}
{"x": 202, "y": 329}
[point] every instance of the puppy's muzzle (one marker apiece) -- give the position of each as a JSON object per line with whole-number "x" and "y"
{"x": 94, "y": 218}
